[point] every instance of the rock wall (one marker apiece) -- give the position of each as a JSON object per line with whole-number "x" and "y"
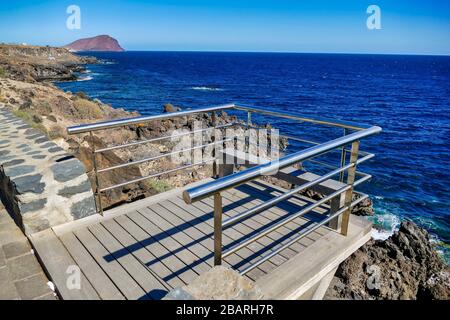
{"x": 218, "y": 283}
{"x": 40, "y": 184}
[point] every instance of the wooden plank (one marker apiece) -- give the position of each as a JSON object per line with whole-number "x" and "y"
{"x": 150, "y": 283}
{"x": 264, "y": 219}
{"x": 56, "y": 261}
{"x": 96, "y": 276}
{"x": 295, "y": 202}
{"x": 255, "y": 226}
{"x": 161, "y": 247}
{"x": 285, "y": 206}
{"x": 295, "y": 277}
{"x": 124, "y": 282}
{"x": 141, "y": 253}
{"x": 267, "y": 242}
{"x": 172, "y": 244}
{"x": 174, "y": 264}
{"x": 200, "y": 224}
{"x": 243, "y": 231}
{"x": 164, "y": 219}
{"x": 123, "y": 209}
{"x": 207, "y": 227}
{"x": 274, "y": 214}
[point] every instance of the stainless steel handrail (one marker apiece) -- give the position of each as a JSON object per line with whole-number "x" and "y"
{"x": 137, "y": 120}
{"x": 227, "y": 182}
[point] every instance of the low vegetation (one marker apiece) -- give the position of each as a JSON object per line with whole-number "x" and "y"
{"x": 87, "y": 109}
{"x": 158, "y": 185}
{"x": 29, "y": 119}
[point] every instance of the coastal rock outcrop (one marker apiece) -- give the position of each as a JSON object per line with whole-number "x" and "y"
{"x": 35, "y": 63}
{"x": 405, "y": 266}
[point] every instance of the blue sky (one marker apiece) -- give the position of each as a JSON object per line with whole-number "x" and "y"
{"x": 413, "y": 27}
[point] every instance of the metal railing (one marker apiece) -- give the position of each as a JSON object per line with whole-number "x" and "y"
{"x": 353, "y": 134}
{"x": 214, "y": 188}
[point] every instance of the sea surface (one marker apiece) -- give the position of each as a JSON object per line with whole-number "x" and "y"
{"x": 408, "y": 96}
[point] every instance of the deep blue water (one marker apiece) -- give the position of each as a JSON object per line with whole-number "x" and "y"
{"x": 408, "y": 96}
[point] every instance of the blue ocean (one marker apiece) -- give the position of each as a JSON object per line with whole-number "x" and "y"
{"x": 408, "y": 96}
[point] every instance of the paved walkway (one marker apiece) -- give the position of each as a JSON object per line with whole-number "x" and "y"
{"x": 21, "y": 275}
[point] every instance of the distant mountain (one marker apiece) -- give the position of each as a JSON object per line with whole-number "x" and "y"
{"x": 98, "y": 43}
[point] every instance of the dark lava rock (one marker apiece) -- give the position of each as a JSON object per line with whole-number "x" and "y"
{"x": 405, "y": 266}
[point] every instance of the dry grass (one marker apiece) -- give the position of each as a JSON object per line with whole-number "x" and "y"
{"x": 158, "y": 185}
{"x": 87, "y": 109}
{"x": 28, "y": 118}
{"x": 56, "y": 131}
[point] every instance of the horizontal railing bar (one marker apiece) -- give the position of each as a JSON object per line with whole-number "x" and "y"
{"x": 360, "y": 153}
{"x": 301, "y": 235}
{"x": 369, "y": 156}
{"x": 127, "y": 164}
{"x": 200, "y": 163}
{"x": 132, "y": 144}
{"x": 272, "y": 202}
{"x": 233, "y": 180}
{"x": 136, "y": 120}
{"x": 290, "y": 218}
{"x": 286, "y": 220}
{"x": 288, "y": 115}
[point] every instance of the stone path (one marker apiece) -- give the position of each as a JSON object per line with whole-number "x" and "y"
{"x": 21, "y": 275}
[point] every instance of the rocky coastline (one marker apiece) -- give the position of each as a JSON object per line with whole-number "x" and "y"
{"x": 405, "y": 266}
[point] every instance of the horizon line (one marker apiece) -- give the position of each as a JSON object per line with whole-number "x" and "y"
{"x": 279, "y": 52}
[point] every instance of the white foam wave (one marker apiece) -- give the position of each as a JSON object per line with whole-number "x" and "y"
{"x": 205, "y": 88}
{"x": 378, "y": 234}
{"x": 384, "y": 225}
{"x": 85, "y": 78}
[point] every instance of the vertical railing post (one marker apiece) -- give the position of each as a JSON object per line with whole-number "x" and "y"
{"x": 97, "y": 184}
{"x": 213, "y": 138}
{"x": 343, "y": 156}
{"x": 349, "y": 193}
{"x": 217, "y": 229}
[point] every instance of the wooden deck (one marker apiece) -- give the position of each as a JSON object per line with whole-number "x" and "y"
{"x": 142, "y": 250}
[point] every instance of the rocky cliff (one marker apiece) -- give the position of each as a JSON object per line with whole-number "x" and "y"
{"x": 98, "y": 43}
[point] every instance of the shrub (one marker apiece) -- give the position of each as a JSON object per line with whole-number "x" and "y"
{"x": 26, "y": 105}
{"x": 45, "y": 108}
{"x": 52, "y": 118}
{"x": 2, "y": 73}
{"x": 56, "y": 131}
{"x": 82, "y": 95}
{"x": 37, "y": 118}
{"x": 158, "y": 185}
{"x": 87, "y": 109}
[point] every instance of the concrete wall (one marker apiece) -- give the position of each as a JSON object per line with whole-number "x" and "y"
{"x": 40, "y": 184}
